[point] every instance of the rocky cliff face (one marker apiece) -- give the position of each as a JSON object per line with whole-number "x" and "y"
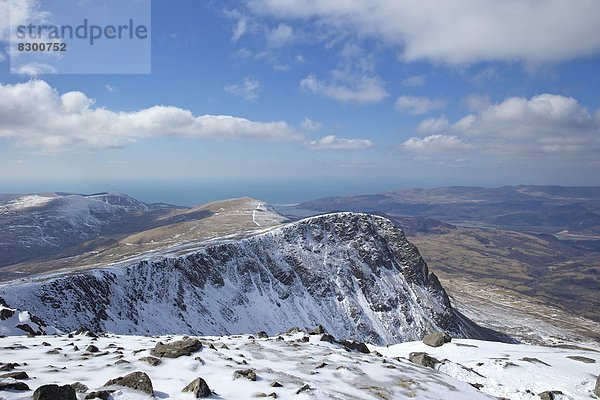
{"x": 355, "y": 274}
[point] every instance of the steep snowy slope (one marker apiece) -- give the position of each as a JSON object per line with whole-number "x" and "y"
{"x": 356, "y": 274}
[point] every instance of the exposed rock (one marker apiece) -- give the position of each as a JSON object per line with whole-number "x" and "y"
{"x": 8, "y": 366}
{"x": 92, "y": 349}
{"x": 6, "y": 313}
{"x": 534, "y": 360}
{"x": 582, "y": 359}
{"x": 327, "y": 338}
{"x": 151, "y": 360}
{"x": 436, "y": 339}
{"x": 276, "y": 384}
{"x": 322, "y": 365}
{"x": 304, "y": 388}
{"x": 79, "y": 387}
{"x": 354, "y": 345}
{"x": 15, "y": 375}
{"x": 423, "y": 359}
{"x": 262, "y": 335}
{"x": 597, "y": 388}
{"x": 13, "y": 386}
{"x": 135, "y": 380}
{"x": 550, "y": 394}
{"x": 264, "y": 395}
{"x": 100, "y": 394}
{"x": 54, "y": 392}
{"x": 249, "y": 374}
{"x": 184, "y": 347}
{"x": 118, "y": 362}
{"x": 199, "y": 387}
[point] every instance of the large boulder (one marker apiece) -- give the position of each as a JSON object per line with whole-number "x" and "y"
{"x": 198, "y": 387}
{"x": 54, "y": 392}
{"x": 135, "y": 380}
{"x": 184, "y": 347}
{"x": 423, "y": 359}
{"x": 436, "y": 339}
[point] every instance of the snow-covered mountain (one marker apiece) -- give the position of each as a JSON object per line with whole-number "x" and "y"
{"x": 355, "y": 274}
{"x": 39, "y": 225}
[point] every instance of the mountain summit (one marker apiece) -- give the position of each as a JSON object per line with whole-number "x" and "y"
{"x": 355, "y": 274}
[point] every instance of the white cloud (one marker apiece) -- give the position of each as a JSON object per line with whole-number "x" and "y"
{"x": 33, "y": 69}
{"x": 248, "y": 89}
{"x": 308, "y": 125}
{"x": 35, "y": 115}
{"x": 476, "y": 102}
{"x": 110, "y": 88}
{"x": 545, "y": 125}
{"x": 414, "y": 81}
{"x": 331, "y": 142}
{"x": 434, "y": 142}
{"x": 280, "y": 36}
{"x": 433, "y": 125}
{"x": 459, "y": 31}
{"x": 352, "y": 90}
{"x": 240, "y": 29}
{"x": 417, "y": 105}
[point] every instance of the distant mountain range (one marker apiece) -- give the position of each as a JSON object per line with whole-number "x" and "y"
{"x": 546, "y": 209}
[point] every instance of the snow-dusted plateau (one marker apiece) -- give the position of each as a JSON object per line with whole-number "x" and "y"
{"x": 235, "y": 276}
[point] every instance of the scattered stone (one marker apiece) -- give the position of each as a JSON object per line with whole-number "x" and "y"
{"x": 423, "y": 359}
{"x": 53, "y": 351}
{"x": 122, "y": 362}
{"x": 549, "y": 394}
{"x": 377, "y": 354}
{"x": 304, "y": 388}
{"x": 262, "y": 335}
{"x": 13, "y": 386}
{"x": 477, "y": 386}
{"x": 15, "y": 375}
{"x": 317, "y": 330}
{"x": 263, "y": 395}
{"x": 533, "y": 360}
{"x": 100, "y": 394}
{"x": 293, "y": 330}
{"x": 354, "y": 345}
{"x": 86, "y": 332}
{"x": 597, "y": 388}
{"x": 46, "y": 344}
{"x": 75, "y": 348}
{"x": 8, "y": 367}
{"x": 276, "y": 384}
{"x": 304, "y": 339}
{"x": 224, "y": 347}
{"x": 582, "y": 359}
{"x": 436, "y": 339}
{"x": 79, "y": 387}
{"x": 322, "y": 365}
{"x": 249, "y": 374}
{"x": 92, "y": 349}
{"x": 54, "y": 392}
{"x": 135, "y": 380}
{"x": 151, "y": 360}
{"x": 199, "y": 387}
{"x": 184, "y": 347}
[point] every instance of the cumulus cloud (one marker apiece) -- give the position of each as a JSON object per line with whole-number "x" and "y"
{"x": 433, "y": 125}
{"x": 460, "y": 31}
{"x": 35, "y": 115}
{"x": 331, "y": 142}
{"x": 248, "y": 89}
{"x": 544, "y": 125}
{"x": 359, "y": 90}
{"x": 309, "y": 125}
{"x": 418, "y": 105}
{"x": 280, "y": 36}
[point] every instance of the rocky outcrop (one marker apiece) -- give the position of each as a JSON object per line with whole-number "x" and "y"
{"x": 184, "y": 347}
{"x": 356, "y": 274}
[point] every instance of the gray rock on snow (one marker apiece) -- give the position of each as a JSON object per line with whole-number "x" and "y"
{"x": 436, "y": 339}
{"x": 198, "y": 387}
{"x": 54, "y": 392}
{"x": 249, "y": 374}
{"x": 135, "y": 380}
{"x": 184, "y": 347}
{"x": 423, "y": 359}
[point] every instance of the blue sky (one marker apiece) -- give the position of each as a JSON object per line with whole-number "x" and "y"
{"x": 290, "y": 99}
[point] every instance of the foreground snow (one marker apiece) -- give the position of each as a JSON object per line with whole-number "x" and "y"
{"x": 329, "y": 370}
